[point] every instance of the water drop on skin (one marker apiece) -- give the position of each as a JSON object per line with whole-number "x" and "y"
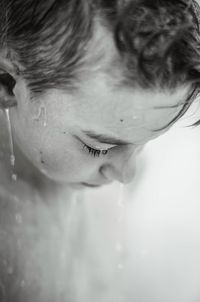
{"x": 42, "y": 113}
{"x": 14, "y": 177}
{"x": 18, "y": 218}
{"x": 10, "y": 137}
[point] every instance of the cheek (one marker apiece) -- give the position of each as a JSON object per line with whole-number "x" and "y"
{"x": 47, "y": 151}
{"x": 53, "y": 151}
{"x": 62, "y": 160}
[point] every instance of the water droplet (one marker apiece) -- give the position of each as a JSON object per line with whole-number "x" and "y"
{"x": 14, "y": 177}
{"x": 18, "y": 218}
{"x": 22, "y": 283}
{"x": 12, "y": 160}
{"x": 119, "y": 247}
{"x": 42, "y": 113}
{"x": 12, "y": 155}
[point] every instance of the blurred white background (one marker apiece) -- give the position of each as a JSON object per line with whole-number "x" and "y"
{"x": 163, "y": 218}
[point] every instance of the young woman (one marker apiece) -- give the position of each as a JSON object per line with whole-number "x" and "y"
{"x": 84, "y": 86}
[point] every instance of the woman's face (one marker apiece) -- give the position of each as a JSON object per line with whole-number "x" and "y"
{"x": 91, "y": 137}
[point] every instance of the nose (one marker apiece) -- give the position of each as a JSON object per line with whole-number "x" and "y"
{"x": 122, "y": 167}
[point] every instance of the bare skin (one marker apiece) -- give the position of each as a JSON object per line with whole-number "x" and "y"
{"x": 55, "y": 154}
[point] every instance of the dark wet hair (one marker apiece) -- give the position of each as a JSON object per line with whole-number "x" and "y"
{"x": 48, "y": 38}
{"x": 157, "y": 40}
{"x": 159, "y": 44}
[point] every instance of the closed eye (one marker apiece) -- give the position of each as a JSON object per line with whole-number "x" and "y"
{"x": 94, "y": 152}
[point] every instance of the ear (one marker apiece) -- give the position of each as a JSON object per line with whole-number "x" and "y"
{"x": 7, "y": 84}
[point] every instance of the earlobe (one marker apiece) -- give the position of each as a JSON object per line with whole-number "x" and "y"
{"x": 7, "y": 98}
{"x": 6, "y": 102}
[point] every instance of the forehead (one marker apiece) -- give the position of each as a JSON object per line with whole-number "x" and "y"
{"x": 131, "y": 114}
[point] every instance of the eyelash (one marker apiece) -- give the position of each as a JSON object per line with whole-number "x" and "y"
{"x": 94, "y": 152}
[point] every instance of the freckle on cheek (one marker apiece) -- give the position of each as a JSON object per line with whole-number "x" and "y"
{"x": 41, "y": 159}
{"x": 121, "y": 120}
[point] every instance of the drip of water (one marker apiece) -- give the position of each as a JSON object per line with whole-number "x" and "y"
{"x": 10, "y": 137}
{"x": 119, "y": 246}
{"x": 120, "y": 222}
{"x": 42, "y": 113}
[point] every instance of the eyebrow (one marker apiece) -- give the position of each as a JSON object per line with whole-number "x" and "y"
{"x": 104, "y": 138}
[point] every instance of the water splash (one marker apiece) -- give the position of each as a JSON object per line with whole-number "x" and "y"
{"x": 10, "y": 137}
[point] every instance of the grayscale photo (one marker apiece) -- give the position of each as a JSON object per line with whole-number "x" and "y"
{"x": 99, "y": 150}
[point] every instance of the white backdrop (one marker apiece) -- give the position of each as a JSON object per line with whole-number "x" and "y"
{"x": 163, "y": 218}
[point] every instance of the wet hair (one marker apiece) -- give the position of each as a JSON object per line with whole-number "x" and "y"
{"x": 160, "y": 39}
{"x": 159, "y": 44}
{"x": 47, "y": 38}
{"x": 157, "y": 40}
